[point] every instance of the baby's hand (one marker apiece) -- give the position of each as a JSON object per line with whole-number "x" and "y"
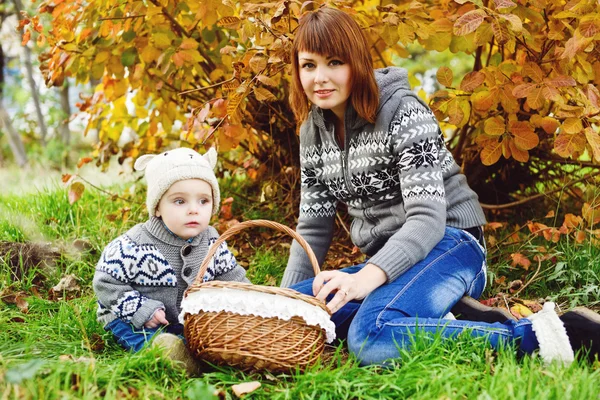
{"x": 158, "y": 318}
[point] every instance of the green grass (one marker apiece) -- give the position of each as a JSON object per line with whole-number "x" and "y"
{"x": 57, "y": 350}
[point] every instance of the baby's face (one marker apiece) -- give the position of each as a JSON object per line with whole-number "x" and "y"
{"x": 186, "y": 207}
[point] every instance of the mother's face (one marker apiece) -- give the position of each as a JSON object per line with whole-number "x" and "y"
{"x": 326, "y": 80}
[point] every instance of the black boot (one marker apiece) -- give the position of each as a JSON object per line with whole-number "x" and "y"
{"x": 470, "y": 309}
{"x": 583, "y": 330}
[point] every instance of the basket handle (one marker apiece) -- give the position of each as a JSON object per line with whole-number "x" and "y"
{"x": 252, "y": 223}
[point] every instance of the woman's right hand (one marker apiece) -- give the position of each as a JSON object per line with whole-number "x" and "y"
{"x": 158, "y": 318}
{"x": 346, "y": 286}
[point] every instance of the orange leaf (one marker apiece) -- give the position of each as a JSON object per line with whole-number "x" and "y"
{"x": 523, "y": 90}
{"x": 593, "y": 95}
{"x": 551, "y": 93}
{"x": 549, "y": 124}
{"x": 504, "y": 4}
{"x": 472, "y": 81}
{"x": 444, "y": 76}
{"x": 494, "y": 225}
{"x": 26, "y": 37}
{"x": 580, "y": 237}
{"x": 66, "y": 178}
{"x": 520, "y": 259}
{"x": 550, "y": 214}
{"x": 84, "y": 160}
{"x": 560, "y": 81}
{"x": 594, "y": 141}
{"x": 572, "y": 221}
{"x": 533, "y": 71}
{"x": 469, "y": 22}
{"x": 494, "y": 126}
{"x": 517, "y": 153}
{"x": 188, "y": 44}
{"x": 524, "y": 135}
{"x": 267, "y": 80}
{"x": 567, "y": 145}
{"x": 75, "y": 192}
{"x": 258, "y": 63}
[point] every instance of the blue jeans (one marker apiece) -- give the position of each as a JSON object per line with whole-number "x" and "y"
{"x": 377, "y": 327}
{"x": 133, "y": 339}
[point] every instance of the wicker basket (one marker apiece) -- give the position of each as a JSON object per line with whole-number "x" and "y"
{"x": 251, "y": 342}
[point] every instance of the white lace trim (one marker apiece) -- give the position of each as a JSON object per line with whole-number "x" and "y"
{"x": 264, "y": 305}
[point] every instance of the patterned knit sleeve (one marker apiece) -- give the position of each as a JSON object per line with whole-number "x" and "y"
{"x": 224, "y": 266}
{"x": 316, "y": 218}
{"x": 122, "y": 264}
{"x": 417, "y": 145}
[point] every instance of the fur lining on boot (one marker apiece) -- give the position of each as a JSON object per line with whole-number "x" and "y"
{"x": 551, "y": 335}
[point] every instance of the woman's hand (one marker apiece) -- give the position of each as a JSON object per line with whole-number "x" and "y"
{"x": 158, "y": 318}
{"x": 347, "y": 287}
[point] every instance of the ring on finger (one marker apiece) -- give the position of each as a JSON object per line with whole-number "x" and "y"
{"x": 344, "y": 291}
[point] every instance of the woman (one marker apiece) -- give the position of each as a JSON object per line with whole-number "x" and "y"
{"x": 368, "y": 141}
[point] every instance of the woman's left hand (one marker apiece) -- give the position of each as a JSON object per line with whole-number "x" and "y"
{"x": 347, "y": 287}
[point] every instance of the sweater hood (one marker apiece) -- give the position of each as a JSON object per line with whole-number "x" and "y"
{"x": 390, "y": 80}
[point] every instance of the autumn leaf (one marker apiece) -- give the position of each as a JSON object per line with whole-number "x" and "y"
{"x": 524, "y": 136}
{"x": 523, "y": 90}
{"x": 75, "y": 192}
{"x": 494, "y": 126}
{"x": 560, "y": 81}
{"x": 229, "y": 22}
{"x": 82, "y": 161}
{"x": 572, "y": 125}
{"x": 444, "y": 76}
{"x": 26, "y": 37}
{"x": 244, "y": 388}
{"x": 263, "y": 94}
{"x": 491, "y": 153}
{"x": 472, "y": 81}
{"x": 536, "y": 99}
{"x": 517, "y": 153}
{"x": 514, "y": 21}
{"x": 521, "y": 260}
{"x": 267, "y": 80}
{"x": 500, "y": 32}
{"x": 593, "y": 140}
{"x": 469, "y": 22}
{"x": 566, "y": 144}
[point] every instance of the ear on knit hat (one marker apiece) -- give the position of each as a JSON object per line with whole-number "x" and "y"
{"x": 142, "y": 162}
{"x": 211, "y": 157}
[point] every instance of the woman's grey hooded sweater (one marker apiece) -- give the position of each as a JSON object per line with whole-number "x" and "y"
{"x": 400, "y": 183}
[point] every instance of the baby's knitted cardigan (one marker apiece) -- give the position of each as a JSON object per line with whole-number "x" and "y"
{"x": 149, "y": 268}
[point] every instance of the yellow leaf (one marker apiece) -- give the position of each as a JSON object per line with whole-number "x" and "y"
{"x": 491, "y": 153}
{"x": 572, "y": 125}
{"x": 229, "y": 22}
{"x": 258, "y": 63}
{"x": 444, "y": 76}
{"x": 536, "y": 99}
{"x": 75, "y": 191}
{"x": 455, "y": 112}
{"x": 389, "y": 34}
{"x": 514, "y": 21}
{"x": 406, "y": 33}
{"x": 500, "y": 32}
{"x": 188, "y": 43}
{"x": 520, "y": 311}
{"x": 484, "y": 100}
{"x": 149, "y": 54}
{"x": 263, "y": 94}
{"x": 594, "y": 141}
{"x": 494, "y": 126}
{"x": 161, "y": 40}
{"x": 549, "y": 125}
{"x": 266, "y": 80}
{"x": 533, "y": 71}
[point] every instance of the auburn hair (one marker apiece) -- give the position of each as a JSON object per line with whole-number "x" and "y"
{"x": 333, "y": 33}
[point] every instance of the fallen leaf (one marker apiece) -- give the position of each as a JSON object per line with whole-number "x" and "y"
{"x": 520, "y": 311}
{"x": 245, "y": 388}
{"x": 67, "y": 283}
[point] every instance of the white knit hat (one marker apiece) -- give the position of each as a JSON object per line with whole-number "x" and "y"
{"x": 164, "y": 169}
